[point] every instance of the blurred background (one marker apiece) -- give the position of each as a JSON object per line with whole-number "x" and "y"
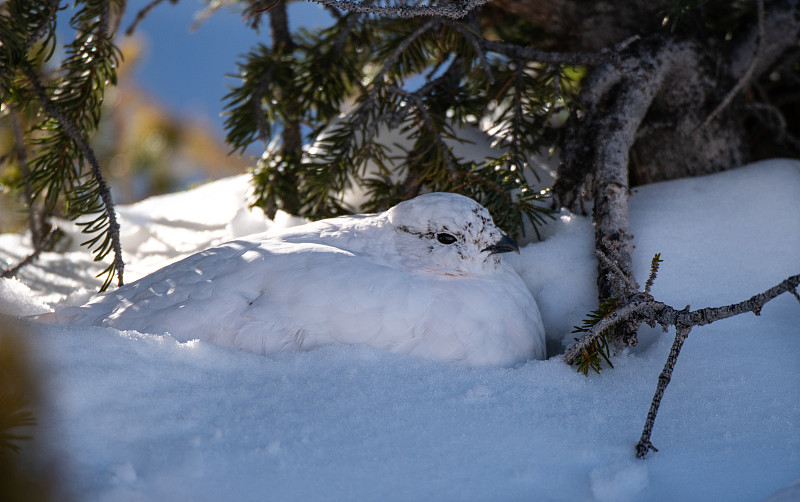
{"x": 162, "y": 128}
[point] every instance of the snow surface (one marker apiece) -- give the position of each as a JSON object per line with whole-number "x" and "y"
{"x": 139, "y": 417}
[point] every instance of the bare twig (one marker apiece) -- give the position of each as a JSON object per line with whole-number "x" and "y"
{"x": 651, "y": 310}
{"x": 644, "y": 445}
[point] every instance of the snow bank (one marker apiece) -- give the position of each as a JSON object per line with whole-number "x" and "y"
{"x": 143, "y": 417}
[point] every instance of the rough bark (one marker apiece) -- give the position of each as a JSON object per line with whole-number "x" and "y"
{"x": 668, "y": 143}
{"x": 645, "y": 119}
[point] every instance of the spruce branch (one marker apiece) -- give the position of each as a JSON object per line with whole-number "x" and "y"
{"x": 74, "y": 133}
{"x": 352, "y": 20}
{"x": 635, "y": 310}
{"x": 591, "y": 353}
{"x": 256, "y": 8}
{"x": 22, "y": 25}
{"x": 654, "y": 264}
{"x": 471, "y": 32}
{"x": 415, "y": 101}
{"x": 462, "y": 84}
{"x": 400, "y": 48}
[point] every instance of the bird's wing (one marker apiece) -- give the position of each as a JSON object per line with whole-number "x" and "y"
{"x": 270, "y": 295}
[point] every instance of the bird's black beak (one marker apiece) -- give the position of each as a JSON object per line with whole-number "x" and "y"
{"x": 504, "y": 245}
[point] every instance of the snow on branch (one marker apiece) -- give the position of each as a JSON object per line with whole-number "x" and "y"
{"x": 453, "y": 10}
{"x": 641, "y": 307}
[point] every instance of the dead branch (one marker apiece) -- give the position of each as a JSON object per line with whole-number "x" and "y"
{"x": 621, "y": 133}
{"x": 644, "y": 445}
{"x": 641, "y": 308}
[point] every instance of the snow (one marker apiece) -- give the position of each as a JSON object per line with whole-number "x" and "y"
{"x": 139, "y": 417}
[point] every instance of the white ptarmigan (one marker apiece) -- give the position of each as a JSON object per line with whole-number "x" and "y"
{"x": 423, "y": 278}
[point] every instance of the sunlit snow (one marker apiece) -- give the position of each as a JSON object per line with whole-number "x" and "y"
{"x": 139, "y": 417}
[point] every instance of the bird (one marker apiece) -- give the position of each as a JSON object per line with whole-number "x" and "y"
{"x": 423, "y": 278}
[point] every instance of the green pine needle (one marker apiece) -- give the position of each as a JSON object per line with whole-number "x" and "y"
{"x": 599, "y": 350}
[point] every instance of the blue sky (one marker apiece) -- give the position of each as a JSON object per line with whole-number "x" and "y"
{"x": 186, "y": 68}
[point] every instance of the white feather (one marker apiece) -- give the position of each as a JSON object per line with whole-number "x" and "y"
{"x": 383, "y": 280}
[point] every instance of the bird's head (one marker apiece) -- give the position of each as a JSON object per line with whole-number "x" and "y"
{"x": 447, "y": 234}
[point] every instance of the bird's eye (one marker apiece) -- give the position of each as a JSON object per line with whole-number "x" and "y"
{"x": 445, "y": 238}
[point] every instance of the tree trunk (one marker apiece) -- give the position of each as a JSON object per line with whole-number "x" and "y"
{"x": 654, "y": 114}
